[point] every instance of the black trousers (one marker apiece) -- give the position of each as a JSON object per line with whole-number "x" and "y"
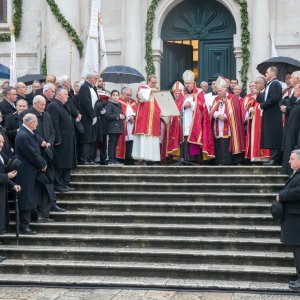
{"x": 44, "y": 202}
{"x": 62, "y": 177}
{"x": 112, "y": 147}
{"x": 25, "y": 218}
{"x": 276, "y": 155}
{"x": 87, "y": 152}
{"x": 103, "y": 149}
{"x": 296, "y": 253}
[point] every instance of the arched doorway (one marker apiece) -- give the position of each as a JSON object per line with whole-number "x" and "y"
{"x": 197, "y": 35}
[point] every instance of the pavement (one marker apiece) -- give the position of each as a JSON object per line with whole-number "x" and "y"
{"x": 40, "y": 293}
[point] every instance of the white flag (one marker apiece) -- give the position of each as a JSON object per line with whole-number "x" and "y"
{"x": 95, "y": 53}
{"x": 13, "y": 58}
{"x": 273, "y": 48}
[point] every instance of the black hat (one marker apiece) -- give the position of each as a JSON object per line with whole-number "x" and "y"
{"x": 13, "y": 164}
{"x": 277, "y": 210}
{"x": 48, "y": 154}
{"x": 45, "y": 177}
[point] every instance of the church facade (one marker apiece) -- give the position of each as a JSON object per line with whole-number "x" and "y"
{"x": 203, "y": 35}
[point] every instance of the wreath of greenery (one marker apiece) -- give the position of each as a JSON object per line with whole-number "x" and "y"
{"x": 17, "y": 21}
{"x": 66, "y": 25}
{"x": 245, "y": 39}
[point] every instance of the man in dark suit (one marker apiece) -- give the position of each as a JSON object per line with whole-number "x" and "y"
{"x": 48, "y": 92}
{"x": 46, "y": 131}
{"x": 289, "y": 196}
{"x": 28, "y": 151}
{"x": 36, "y": 85}
{"x": 12, "y": 122}
{"x": 272, "y": 128}
{"x": 64, "y": 144}
{"x": 7, "y": 105}
{"x": 88, "y": 97}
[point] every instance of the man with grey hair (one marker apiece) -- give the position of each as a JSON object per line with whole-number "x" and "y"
{"x": 48, "y": 92}
{"x": 64, "y": 144}
{"x": 7, "y": 105}
{"x": 28, "y": 151}
{"x": 204, "y": 86}
{"x": 88, "y": 97}
{"x": 289, "y": 196}
{"x": 272, "y": 128}
{"x": 34, "y": 87}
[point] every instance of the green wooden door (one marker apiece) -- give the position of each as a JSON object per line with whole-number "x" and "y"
{"x": 176, "y": 59}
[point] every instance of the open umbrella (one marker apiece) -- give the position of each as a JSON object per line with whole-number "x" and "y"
{"x": 30, "y": 78}
{"x": 4, "y": 72}
{"x": 122, "y": 74}
{"x": 284, "y": 64}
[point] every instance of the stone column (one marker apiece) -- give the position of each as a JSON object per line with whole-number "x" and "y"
{"x": 133, "y": 39}
{"x": 260, "y": 34}
{"x": 62, "y": 55}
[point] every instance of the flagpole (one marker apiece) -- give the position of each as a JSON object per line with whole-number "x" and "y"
{"x": 71, "y": 52}
{"x": 12, "y": 66}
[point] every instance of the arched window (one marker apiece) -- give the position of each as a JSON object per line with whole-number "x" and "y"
{"x": 5, "y": 14}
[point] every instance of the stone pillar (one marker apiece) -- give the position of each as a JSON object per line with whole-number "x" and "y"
{"x": 133, "y": 39}
{"x": 62, "y": 55}
{"x": 260, "y": 34}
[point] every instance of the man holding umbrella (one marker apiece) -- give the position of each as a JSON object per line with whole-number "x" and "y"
{"x": 272, "y": 129}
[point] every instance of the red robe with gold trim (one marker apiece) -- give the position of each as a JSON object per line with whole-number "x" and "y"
{"x": 147, "y": 121}
{"x": 121, "y": 147}
{"x": 233, "y": 122}
{"x": 173, "y": 136}
{"x": 253, "y": 150}
{"x": 201, "y": 131}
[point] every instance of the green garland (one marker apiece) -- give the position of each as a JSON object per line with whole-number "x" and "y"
{"x": 66, "y": 25}
{"x": 150, "y": 68}
{"x": 245, "y": 39}
{"x": 44, "y": 63}
{"x": 17, "y": 21}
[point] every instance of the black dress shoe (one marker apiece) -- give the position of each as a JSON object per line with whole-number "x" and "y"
{"x": 28, "y": 231}
{"x": 57, "y": 208}
{"x": 45, "y": 220}
{"x": 103, "y": 163}
{"x": 269, "y": 163}
{"x": 2, "y": 258}
{"x": 69, "y": 188}
{"x": 92, "y": 163}
{"x": 60, "y": 189}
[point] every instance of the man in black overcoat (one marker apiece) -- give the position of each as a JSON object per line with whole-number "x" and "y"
{"x": 88, "y": 97}
{"x": 289, "y": 196}
{"x": 272, "y": 128}
{"x": 291, "y": 138}
{"x": 27, "y": 149}
{"x": 64, "y": 144}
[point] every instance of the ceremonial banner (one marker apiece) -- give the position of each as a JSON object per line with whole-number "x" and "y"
{"x": 166, "y": 104}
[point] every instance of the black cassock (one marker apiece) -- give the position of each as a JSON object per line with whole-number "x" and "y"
{"x": 291, "y": 140}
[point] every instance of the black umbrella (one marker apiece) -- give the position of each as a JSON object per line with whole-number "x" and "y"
{"x": 28, "y": 79}
{"x": 17, "y": 218}
{"x": 284, "y": 64}
{"x": 122, "y": 74}
{"x": 4, "y": 72}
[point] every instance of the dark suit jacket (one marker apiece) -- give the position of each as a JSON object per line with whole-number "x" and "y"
{"x": 6, "y": 109}
{"x": 114, "y": 123}
{"x": 45, "y": 128}
{"x": 12, "y": 124}
{"x": 28, "y": 151}
{"x": 290, "y": 199}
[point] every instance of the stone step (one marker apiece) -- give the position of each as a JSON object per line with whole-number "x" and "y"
{"x": 174, "y": 270}
{"x": 149, "y": 241}
{"x": 144, "y": 282}
{"x": 259, "y": 170}
{"x": 158, "y": 206}
{"x": 180, "y": 178}
{"x": 157, "y": 229}
{"x": 205, "y": 197}
{"x": 178, "y": 187}
{"x": 161, "y": 217}
{"x": 145, "y": 255}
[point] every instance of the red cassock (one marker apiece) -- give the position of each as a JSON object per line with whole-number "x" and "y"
{"x": 201, "y": 130}
{"x": 147, "y": 121}
{"x": 253, "y": 150}
{"x": 173, "y": 136}
{"x": 233, "y": 122}
{"x": 121, "y": 147}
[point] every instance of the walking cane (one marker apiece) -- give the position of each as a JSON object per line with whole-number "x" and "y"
{"x": 17, "y": 218}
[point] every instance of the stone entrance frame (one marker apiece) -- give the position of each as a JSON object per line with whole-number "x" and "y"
{"x": 163, "y": 9}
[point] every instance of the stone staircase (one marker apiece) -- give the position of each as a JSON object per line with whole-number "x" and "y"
{"x": 206, "y": 227}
